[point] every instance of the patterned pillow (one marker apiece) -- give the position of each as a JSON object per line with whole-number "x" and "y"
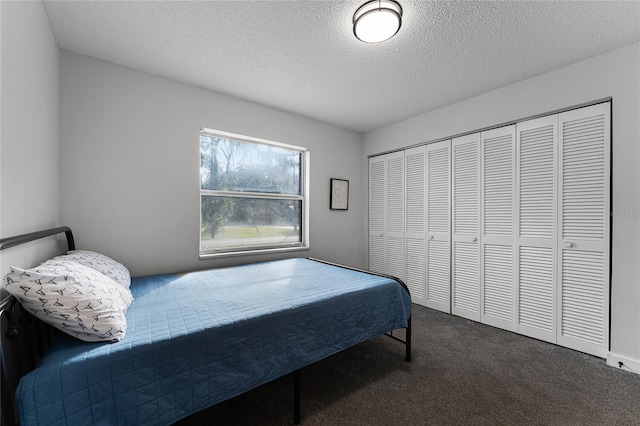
{"x": 101, "y": 263}
{"x": 73, "y": 298}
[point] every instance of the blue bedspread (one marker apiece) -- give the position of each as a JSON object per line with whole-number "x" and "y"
{"x": 196, "y": 339}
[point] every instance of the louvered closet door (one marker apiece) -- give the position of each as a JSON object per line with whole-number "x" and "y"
{"x": 497, "y": 254}
{"x": 415, "y": 223}
{"x": 536, "y": 142}
{"x": 377, "y": 203}
{"x": 394, "y": 232}
{"x": 584, "y": 193}
{"x": 438, "y": 221}
{"x": 465, "y": 282}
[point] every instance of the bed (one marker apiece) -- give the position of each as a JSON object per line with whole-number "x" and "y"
{"x": 194, "y": 340}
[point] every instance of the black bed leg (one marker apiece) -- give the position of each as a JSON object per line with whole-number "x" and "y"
{"x": 296, "y": 397}
{"x": 408, "y": 341}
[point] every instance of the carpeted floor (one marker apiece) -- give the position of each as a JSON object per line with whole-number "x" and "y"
{"x": 462, "y": 373}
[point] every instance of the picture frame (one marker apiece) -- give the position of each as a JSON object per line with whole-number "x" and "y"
{"x": 339, "y": 194}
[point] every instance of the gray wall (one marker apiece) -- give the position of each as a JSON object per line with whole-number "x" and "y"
{"x": 127, "y": 177}
{"x": 615, "y": 74}
{"x": 129, "y": 167}
{"x": 30, "y": 134}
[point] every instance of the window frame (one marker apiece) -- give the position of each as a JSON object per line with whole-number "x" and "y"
{"x": 303, "y": 197}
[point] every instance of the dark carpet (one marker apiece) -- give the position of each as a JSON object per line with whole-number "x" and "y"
{"x": 462, "y": 373}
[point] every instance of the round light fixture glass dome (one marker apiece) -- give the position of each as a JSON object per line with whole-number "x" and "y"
{"x": 377, "y": 20}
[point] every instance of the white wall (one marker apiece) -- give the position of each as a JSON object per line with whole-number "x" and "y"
{"x": 615, "y": 74}
{"x": 129, "y": 167}
{"x": 29, "y": 136}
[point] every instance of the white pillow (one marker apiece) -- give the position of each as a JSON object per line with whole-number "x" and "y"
{"x": 101, "y": 263}
{"x": 74, "y": 298}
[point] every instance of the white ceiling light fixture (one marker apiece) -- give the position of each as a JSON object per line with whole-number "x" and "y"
{"x": 377, "y": 20}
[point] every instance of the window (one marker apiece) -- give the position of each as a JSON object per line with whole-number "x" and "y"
{"x": 253, "y": 195}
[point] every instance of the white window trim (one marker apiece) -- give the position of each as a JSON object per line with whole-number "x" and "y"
{"x": 304, "y": 197}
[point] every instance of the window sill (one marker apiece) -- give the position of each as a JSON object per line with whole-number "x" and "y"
{"x": 204, "y": 256}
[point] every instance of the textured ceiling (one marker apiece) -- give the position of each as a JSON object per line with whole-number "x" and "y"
{"x": 302, "y": 57}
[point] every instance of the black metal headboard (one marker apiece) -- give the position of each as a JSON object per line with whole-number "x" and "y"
{"x": 24, "y": 338}
{"x": 9, "y": 242}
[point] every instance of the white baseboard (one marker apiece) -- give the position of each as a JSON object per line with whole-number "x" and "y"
{"x": 623, "y": 363}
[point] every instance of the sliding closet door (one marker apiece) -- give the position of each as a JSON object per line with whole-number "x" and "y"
{"x": 438, "y": 221}
{"x": 509, "y": 227}
{"x": 386, "y": 214}
{"x": 536, "y": 267}
{"x": 394, "y": 232}
{"x": 465, "y": 281}
{"x": 497, "y": 254}
{"x": 377, "y": 203}
{"x": 415, "y": 223}
{"x": 584, "y": 193}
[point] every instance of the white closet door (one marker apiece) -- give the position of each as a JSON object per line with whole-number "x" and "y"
{"x": 584, "y": 194}
{"x": 377, "y": 203}
{"x": 415, "y": 223}
{"x": 497, "y": 254}
{"x": 438, "y": 221}
{"x": 465, "y": 280}
{"x": 394, "y": 232}
{"x": 536, "y": 142}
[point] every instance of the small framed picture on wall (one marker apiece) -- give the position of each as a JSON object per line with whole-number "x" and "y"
{"x": 339, "y": 198}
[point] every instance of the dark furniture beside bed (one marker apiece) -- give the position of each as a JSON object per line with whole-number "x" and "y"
{"x": 194, "y": 340}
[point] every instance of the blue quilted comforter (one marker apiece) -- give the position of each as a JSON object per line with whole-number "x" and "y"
{"x": 196, "y": 339}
